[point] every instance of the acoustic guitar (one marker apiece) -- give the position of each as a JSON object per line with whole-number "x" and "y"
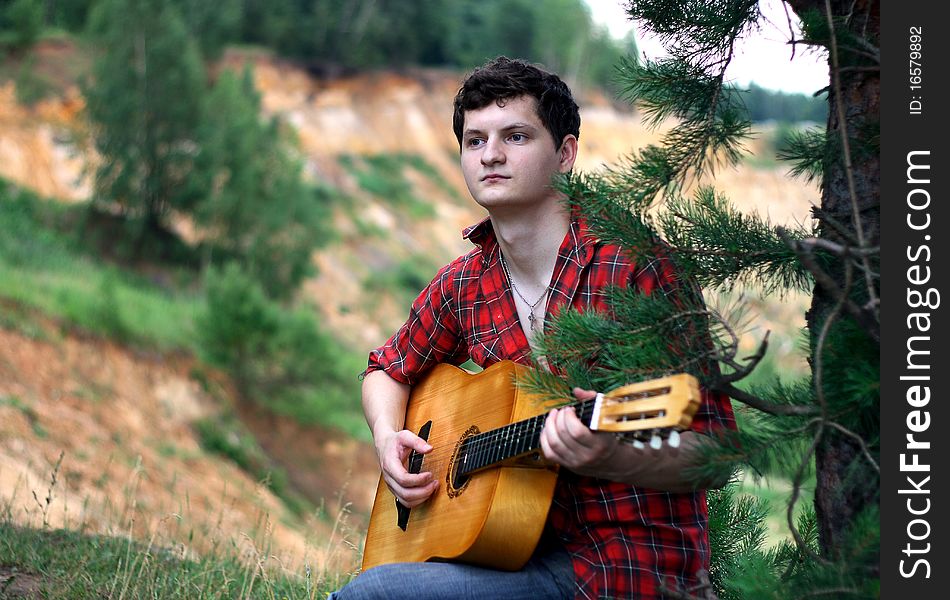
{"x": 495, "y": 488}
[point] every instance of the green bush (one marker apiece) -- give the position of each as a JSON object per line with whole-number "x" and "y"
{"x": 30, "y": 86}
{"x": 45, "y": 267}
{"x": 382, "y": 175}
{"x": 21, "y": 22}
{"x": 226, "y": 436}
{"x": 405, "y": 279}
{"x": 278, "y": 357}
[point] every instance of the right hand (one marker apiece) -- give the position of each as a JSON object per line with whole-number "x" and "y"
{"x": 393, "y": 450}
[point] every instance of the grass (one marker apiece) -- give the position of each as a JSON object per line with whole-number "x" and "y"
{"x": 68, "y": 564}
{"x": 383, "y": 176}
{"x": 104, "y": 301}
{"x": 47, "y": 269}
{"x": 144, "y": 556}
{"x": 27, "y": 411}
{"x": 65, "y": 563}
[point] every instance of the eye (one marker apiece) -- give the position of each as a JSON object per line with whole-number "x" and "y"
{"x": 518, "y": 138}
{"x": 474, "y": 142}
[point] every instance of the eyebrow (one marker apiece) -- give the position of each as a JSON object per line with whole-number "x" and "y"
{"x": 518, "y": 125}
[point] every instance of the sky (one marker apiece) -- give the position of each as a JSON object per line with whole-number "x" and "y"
{"x": 763, "y": 58}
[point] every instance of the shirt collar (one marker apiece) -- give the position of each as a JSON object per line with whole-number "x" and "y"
{"x": 576, "y": 246}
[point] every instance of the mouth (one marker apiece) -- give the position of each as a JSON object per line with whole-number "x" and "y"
{"x": 493, "y": 177}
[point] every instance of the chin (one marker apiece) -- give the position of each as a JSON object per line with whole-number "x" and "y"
{"x": 491, "y": 200}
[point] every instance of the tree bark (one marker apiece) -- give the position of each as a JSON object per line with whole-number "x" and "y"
{"x": 846, "y": 484}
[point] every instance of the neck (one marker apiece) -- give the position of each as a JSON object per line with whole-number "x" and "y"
{"x": 530, "y": 239}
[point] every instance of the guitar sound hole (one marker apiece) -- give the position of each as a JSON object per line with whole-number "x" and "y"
{"x": 458, "y": 479}
{"x": 455, "y": 479}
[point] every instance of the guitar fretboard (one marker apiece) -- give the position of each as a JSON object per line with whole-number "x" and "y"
{"x": 511, "y": 441}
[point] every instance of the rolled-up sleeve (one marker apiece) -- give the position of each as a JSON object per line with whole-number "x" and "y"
{"x": 429, "y": 336}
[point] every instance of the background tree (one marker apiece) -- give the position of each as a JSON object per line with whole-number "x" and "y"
{"x": 143, "y": 101}
{"x": 212, "y": 24}
{"x": 20, "y": 23}
{"x": 253, "y": 203}
{"x": 828, "y": 425}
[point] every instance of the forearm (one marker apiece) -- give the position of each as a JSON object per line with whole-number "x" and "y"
{"x": 664, "y": 469}
{"x": 384, "y": 404}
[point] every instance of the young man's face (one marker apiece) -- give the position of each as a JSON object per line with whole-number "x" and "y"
{"x": 509, "y": 158}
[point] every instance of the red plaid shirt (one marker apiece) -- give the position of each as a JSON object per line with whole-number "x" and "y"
{"x": 623, "y": 540}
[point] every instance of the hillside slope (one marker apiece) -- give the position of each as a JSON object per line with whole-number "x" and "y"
{"x": 132, "y": 460}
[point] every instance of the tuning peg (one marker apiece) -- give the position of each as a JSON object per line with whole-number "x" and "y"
{"x": 638, "y": 444}
{"x": 656, "y": 442}
{"x": 674, "y": 439}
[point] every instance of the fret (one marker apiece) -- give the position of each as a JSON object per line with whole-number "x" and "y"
{"x": 479, "y": 454}
{"x": 522, "y": 430}
{"x": 494, "y": 455}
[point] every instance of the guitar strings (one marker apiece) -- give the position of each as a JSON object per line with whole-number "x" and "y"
{"x": 517, "y": 438}
{"x": 536, "y": 422}
{"x": 497, "y": 445}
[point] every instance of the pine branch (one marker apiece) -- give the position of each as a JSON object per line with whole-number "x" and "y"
{"x": 866, "y": 318}
{"x": 689, "y": 86}
{"x": 835, "y": 592}
{"x": 760, "y": 404}
{"x": 807, "y": 150}
{"x": 860, "y": 441}
{"x": 721, "y": 246}
{"x": 740, "y": 371}
{"x": 796, "y": 490}
{"x": 839, "y": 249}
{"x": 704, "y": 589}
{"x": 827, "y": 219}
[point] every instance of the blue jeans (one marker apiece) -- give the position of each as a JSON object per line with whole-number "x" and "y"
{"x": 548, "y": 575}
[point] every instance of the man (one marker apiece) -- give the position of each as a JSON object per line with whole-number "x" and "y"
{"x": 625, "y": 522}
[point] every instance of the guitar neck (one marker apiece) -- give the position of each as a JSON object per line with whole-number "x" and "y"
{"x": 517, "y": 439}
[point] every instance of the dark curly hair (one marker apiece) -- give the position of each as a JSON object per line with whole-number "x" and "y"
{"x": 503, "y": 79}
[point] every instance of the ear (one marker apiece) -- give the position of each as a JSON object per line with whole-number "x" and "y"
{"x": 567, "y": 153}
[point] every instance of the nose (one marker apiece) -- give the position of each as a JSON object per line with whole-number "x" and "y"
{"x": 493, "y": 153}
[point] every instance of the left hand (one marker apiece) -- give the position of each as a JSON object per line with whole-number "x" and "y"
{"x": 566, "y": 441}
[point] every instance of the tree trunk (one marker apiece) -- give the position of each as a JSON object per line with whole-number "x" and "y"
{"x": 841, "y": 491}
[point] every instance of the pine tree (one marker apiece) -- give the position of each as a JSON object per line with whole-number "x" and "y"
{"x": 21, "y": 22}
{"x": 254, "y": 206}
{"x": 829, "y": 423}
{"x": 143, "y": 101}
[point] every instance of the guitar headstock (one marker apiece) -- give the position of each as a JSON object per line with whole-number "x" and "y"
{"x": 645, "y": 409}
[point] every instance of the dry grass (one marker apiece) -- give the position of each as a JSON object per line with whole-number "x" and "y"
{"x": 153, "y": 554}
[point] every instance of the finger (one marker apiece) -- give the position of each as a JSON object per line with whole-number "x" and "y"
{"x": 546, "y": 448}
{"x": 408, "y": 480}
{"x": 574, "y": 429}
{"x": 582, "y": 394}
{"x": 410, "y": 497}
{"x": 575, "y": 443}
{"x": 406, "y": 441}
{"x": 562, "y": 437}
{"x": 551, "y": 441}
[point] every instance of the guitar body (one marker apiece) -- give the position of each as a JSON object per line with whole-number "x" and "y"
{"x": 493, "y": 519}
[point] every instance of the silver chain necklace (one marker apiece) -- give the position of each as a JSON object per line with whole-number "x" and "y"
{"x": 532, "y": 320}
